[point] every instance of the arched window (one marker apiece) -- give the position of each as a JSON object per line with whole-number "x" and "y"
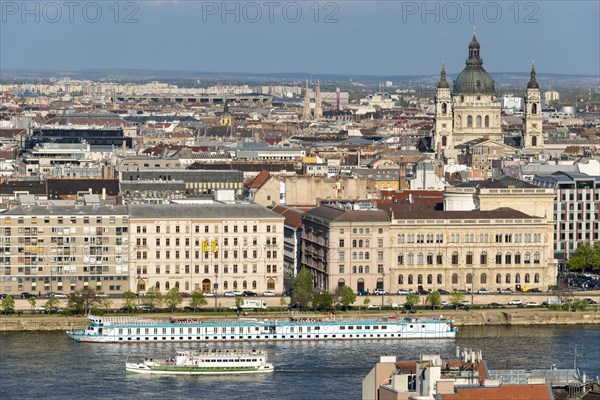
{"x": 469, "y": 279}
{"x": 536, "y": 278}
{"x": 444, "y": 108}
{"x": 517, "y": 278}
{"x": 367, "y": 243}
{"x": 419, "y": 279}
{"x": 507, "y": 278}
{"x": 167, "y": 285}
{"x": 454, "y": 279}
{"x": 420, "y": 258}
{"x": 225, "y": 285}
{"x": 360, "y": 243}
{"x": 498, "y": 278}
{"x": 366, "y": 269}
{"x": 478, "y": 121}
{"x": 429, "y": 279}
{"x": 353, "y": 242}
{"x": 253, "y": 284}
{"x": 177, "y": 284}
{"x": 469, "y": 258}
{"x": 234, "y": 285}
{"x": 444, "y": 141}
{"x": 455, "y": 258}
{"x": 534, "y": 109}
{"x": 157, "y": 285}
{"x": 360, "y": 269}
{"x": 360, "y": 255}
{"x": 354, "y": 255}
{"x": 527, "y": 258}
{"x": 469, "y": 121}
{"x": 536, "y": 258}
{"x": 439, "y": 279}
{"x": 341, "y": 283}
{"x": 410, "y": 279}
{"x": 410, "y": 259}
{"x": 483, "y": 258}
{"x": 360, "y": 285}
{"x": 244, "y": 285}
{"x": 534, "y": 141}
{"x": 507, "y": 258}
{"x": 483, "y": 279}
{"x": 400, "y": 279}
{"x": 271, "y": 284}
{"x": 187, "y": 285}
{"x": 487, "y": 121}
{"x": 526, "y": 278}
{"x": 366, "y": 255}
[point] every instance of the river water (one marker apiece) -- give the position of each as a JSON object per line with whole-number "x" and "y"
{"x": 49, "y": 365}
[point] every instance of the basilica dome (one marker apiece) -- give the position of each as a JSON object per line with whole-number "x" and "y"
{"x": 474, "y": 79}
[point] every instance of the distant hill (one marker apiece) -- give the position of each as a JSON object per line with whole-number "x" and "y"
{"x": 516, "y": 79}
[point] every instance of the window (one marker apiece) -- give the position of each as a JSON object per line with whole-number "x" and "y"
{"x": 483, "y": 258}
{"x": 483, "y": 279}
{"x": 536, "y": 278}
{"x": 400, "y": 279}
{"x": 469, "y": 279}
{"x": 498, "y": 258}
{"x": 527, "y": 258}
{"x": 454, "y": 279}
{"x": 439, "y": 279}
{"x": 341, "y": 269}
{"x": 469, "y": 258}
{"x": 517, "y": 278}
{"x": 498, "y": 278}
{"x": 507, "y": 278}
{"x": 410, "y": 279}
{"x": 439, "y": 258}
{"x": 507, "y": 258}
{"x": 526, "y": 278}
{"x": 410, "y": 259}
{"x": 429, "y": 279}
{"x": 455, "y": 258}
{"x": 517, "y": 258}
{"x": 429, "y": 259}
{"x": 536, "y": 258}
{"x": 420, "y": 258}
{"x": 400, "y": 259}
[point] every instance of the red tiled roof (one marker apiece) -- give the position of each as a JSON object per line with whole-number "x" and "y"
{"x": 259, "y": 179}
{"x": 293, "y": 217}
{"x": 505, "y": 392}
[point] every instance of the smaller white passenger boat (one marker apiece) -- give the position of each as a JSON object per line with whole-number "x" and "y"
{"x": 205, "y": 362}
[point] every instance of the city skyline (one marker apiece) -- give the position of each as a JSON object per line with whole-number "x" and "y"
{"x": 374, "y": 38}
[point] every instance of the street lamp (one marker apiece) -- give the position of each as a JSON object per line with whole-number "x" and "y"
{"x": 215, "y": 290}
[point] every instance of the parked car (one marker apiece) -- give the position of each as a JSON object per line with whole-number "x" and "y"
{"x": 269, "y": 293}
{"x": 515, "y": 302}
{"x": 363, "y": 293}
{"x": 210, "y": 294}
{"x": 506, "y": 291}
{"x": 402, "y": 291}
{"x": 380, "y": 292}
{"x": 442, "y": 291}
{"x": 185, "y": 294}
{"x": 229, "y": 293}
{"x": 445, "y": 303}
{"x": 535, "y": 290}
{"x": 495, "y": 305}
{"x": 483, "y": 291}
{"x": 144, "y": 307}
{"x": 293, "y": 305}
{"x": 27, "y": 295}
{"x": 532, "y": 304}
{"x": 373, "y": 306}
{"x": 58, "y": 295}
{"x": 590, "y": 301}
{"x": 465, "y": 303}
{"x": 249, "y": 293}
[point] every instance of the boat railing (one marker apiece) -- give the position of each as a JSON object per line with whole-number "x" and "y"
{"x": 114, "y": 321}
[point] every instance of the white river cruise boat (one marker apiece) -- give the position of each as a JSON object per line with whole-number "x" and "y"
{"x": 205, "y": 362}
{"x": 140, "y": 330}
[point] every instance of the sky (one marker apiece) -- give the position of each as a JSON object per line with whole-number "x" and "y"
{"x": 363, "y": 37}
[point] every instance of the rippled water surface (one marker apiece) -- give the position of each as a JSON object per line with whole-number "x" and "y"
{"x": 51, "y": 366}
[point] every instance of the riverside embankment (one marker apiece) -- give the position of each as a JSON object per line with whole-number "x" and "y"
{"x": 462, "y": 318}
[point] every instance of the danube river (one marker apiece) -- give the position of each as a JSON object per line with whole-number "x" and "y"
{"x": 49, "y": 365}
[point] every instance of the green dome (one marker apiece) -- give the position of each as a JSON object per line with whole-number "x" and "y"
{"x": 474, "y": 79}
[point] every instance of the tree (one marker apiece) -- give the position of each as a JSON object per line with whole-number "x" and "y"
{"x": 434, "y": 298}
{"x": 456, "y": 297}
{"x": 106, "y": 304}
{"x": 348, "y": 296}
{"x": 173, "y": 298}
{"x": 197, "y": 299}
{"x": 153, "y": 298}
{"x": 51, "y": 305}
{"x": 82, "y": 301}
{"x": 129, "y": 300}
{"x": 412, "y": 299}
{"x": 322, "y": 301}
{"x": 32, "y": 300}
{"x": 303, "y": 288}
{"x": 585, "y": 257}
{"x": 238, "y": 303}
{"x": 367, "y": 301}
{"x": 8, "y": 304}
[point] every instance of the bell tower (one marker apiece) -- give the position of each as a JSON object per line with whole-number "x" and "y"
{"x": 442, "y": 135}
{"x": 533, "y": 138}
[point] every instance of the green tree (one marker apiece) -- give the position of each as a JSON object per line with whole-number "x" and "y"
{"x": 129, "y": 300}
{"x": 83, "y": 301}
{"x": 348, "y": 296}
{"x": 456, "y": 297}
{"x": 322, "y": 301}
{"x": 197, "y": 299}
{"x": 303, "y": 288}
{"x": 238, "y": 303}
{"x": 8, "y": 303}
{"x": 412, "y": 299}
{"x": 434, "y": 298}
{"x": 173, "y": 298}
{"x": 367, "y": 301}
{"x": 153, "y": 298}
{"x": 51, "y": 305}
{"x": 32, "y": 301}
{"x": 585, "y": 257}
{"x": 106, "y": 304}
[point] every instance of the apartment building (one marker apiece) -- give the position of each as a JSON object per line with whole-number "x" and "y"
{"x": 64, "y": 248}
{"x": 575, "y": 209}
{"x": 212, "y": 247}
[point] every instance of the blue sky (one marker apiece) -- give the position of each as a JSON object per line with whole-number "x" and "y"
{"x": 360, "y": 37}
